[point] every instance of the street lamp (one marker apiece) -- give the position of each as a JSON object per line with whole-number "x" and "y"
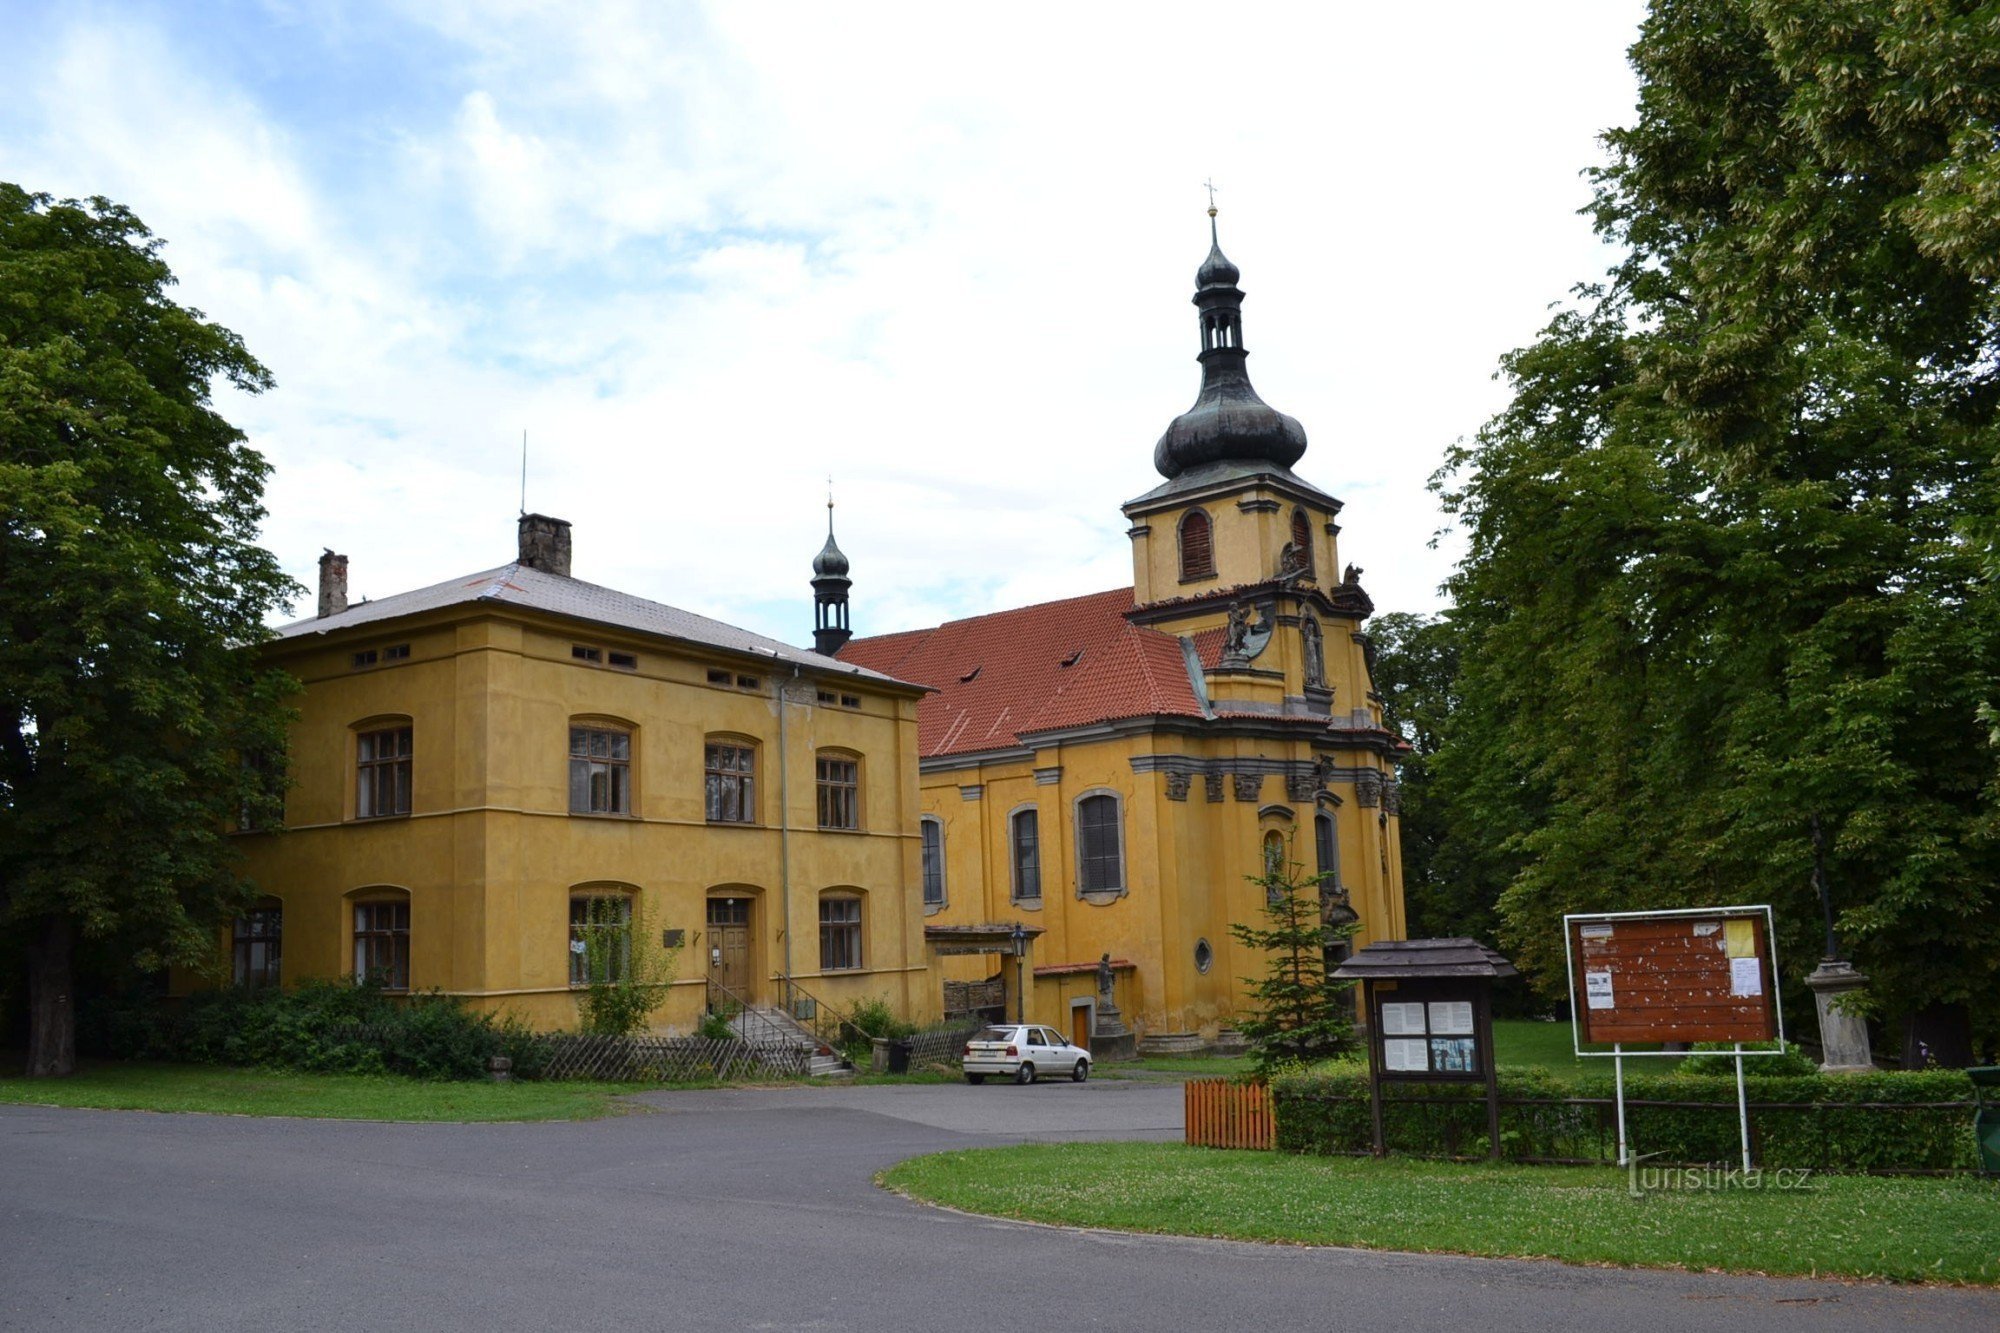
{"x": 1020, "y": 938}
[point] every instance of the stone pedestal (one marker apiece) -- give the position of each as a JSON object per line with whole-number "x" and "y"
{"x": 1843, "y": 1036}
{"x": 1110, "y": 1039}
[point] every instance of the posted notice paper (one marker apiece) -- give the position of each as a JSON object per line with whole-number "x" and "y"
{"x": 1746, "y": 976}
{"x": 1597, "y": 990}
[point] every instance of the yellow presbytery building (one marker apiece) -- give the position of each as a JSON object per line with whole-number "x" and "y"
{"x": 1055, "y": 812}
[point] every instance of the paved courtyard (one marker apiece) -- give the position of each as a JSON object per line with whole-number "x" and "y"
{"x": 746, "y": 1208}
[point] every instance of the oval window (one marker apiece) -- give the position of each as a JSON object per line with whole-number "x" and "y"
{"x": 1204, "y": 957}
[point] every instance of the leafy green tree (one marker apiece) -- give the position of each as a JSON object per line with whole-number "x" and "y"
{"x": 1718, "y": 578}
{"x": 131, "y": 588}
{"x": 626, "y": 972}
{"x": 1301, "y": 1016}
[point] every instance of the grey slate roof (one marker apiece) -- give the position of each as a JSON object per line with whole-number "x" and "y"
{"x": 530, "y": 589}
{"x": 1415, "y": 959}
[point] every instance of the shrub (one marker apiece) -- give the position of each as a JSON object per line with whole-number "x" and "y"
{"x": 870, "y": 1018}
{"x": 334, "y": 1027}
{"x": 1832, "y": 1122}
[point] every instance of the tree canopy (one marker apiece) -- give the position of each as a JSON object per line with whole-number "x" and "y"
{"x": 131, "y": 586}
{"x": 1724, "y": 572}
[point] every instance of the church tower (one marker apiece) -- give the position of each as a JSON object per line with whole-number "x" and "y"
{"x": 830, "y": 584}
{"x": 1235, "y": 540}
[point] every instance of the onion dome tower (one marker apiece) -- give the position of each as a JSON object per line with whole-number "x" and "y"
{"x": 1228, "y": 423}
{"x": 830, "y": 584}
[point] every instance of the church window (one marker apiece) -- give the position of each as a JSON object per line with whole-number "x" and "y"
{"x": 1197, "y": 546}
{"x": 1274, "y": 866}
{"x": 1024, "y": 836}
{"x": 600, "y": 770}
{"x": 933, "y": 834}
{"x": 730, "y": 773}
{"x": 1100, "y": 844}
{"x": 1328, "y": 850}
{"x": 1302, "y": 538}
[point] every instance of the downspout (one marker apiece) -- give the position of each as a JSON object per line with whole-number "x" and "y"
{"x": 785, "y": 835}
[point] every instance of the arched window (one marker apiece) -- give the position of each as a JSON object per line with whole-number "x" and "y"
{"x": 1302, "y": 538}
{"x": 600, "y": 934}
{"x": 1197, "y": 546}
{"x": 1024, "y": 844}
{"x": 933, "y": 836}
{"x": 1275, "y": 877}
{"x": 1100, "y": 844}
{"x": 600, "y": 767}
{"x": 257, "y": 940}
{"x": 1326, "y": 849}
{"x": 382, "y": 753}
{"x": 840, "y": 930}
{"x": 839, "y": 776}
{"x": 729, "y": 771}
{"x": 382, "y": 937}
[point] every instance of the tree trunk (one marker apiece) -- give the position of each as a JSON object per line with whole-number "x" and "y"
{"x": 51, "y": 1000}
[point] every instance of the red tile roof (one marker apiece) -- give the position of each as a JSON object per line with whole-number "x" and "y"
{"x": 1059, "y": 664}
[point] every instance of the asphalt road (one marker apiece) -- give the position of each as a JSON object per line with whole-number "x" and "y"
{"x": 740, "y": 1209}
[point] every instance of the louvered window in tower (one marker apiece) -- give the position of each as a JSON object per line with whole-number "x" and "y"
{"x": 1302, "y": 538}
{"x": 1197, "y": 546}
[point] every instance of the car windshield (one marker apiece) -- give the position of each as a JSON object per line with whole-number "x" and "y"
{"x": 996, "y": 1034}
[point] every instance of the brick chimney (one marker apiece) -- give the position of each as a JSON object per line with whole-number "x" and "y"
{"x": 545, "y": 544}
{"x": 332, "y": 584}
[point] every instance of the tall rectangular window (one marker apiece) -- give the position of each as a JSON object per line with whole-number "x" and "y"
{"x": 1100, "y": 848}
{"x": 257, "y": 943}
{"x": 600, "y": 771}
{"x": 1327, "y": 852}
{"x": 382, "y": 944}
{"x": 731, "y": 771}
{"x": 839, "y": 934}
{"x": 600, "y": 938}
{"x": 382, "y": 766}
{"x": 1024, "y": 831}
{"x": 839, "y": 792}
{"x": 933, "y": 833}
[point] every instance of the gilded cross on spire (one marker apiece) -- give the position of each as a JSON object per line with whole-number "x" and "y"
{"x": 1210, "y": 186}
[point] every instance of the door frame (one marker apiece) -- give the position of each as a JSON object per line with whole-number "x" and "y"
{"x": 749, "y": 990}
{"x": 1088, "y": 1007}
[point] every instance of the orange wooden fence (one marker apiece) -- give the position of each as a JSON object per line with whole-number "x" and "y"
{"x": 1221, "y": 1114}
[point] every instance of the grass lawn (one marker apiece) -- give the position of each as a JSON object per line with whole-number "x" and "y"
{"x": 1848, "y": 1226}
{"x": 138, "y": 1086}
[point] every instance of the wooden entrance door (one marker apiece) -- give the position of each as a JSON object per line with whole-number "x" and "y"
{"x": 1079, "y": 1026}
{"x": 729, "y": 943}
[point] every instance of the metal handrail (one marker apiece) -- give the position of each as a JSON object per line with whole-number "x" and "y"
{"x": 744, "y": 1014}
{"x": 828, "y": 1023}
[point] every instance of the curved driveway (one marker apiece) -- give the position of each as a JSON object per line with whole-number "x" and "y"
{"x": 745, "y": 1208}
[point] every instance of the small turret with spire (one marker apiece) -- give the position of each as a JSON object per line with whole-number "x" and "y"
{"x": 1228, "y": 422}
{"x": 830, "y": 584}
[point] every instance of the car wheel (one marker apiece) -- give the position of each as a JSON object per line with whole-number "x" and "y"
{"x": 1081, "y": 1072}
{"x": 1025, "y": 1074}
{"x": 975, "y": 1079}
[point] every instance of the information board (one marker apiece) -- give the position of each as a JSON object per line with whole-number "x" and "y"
{"x": 1698, "y": 975}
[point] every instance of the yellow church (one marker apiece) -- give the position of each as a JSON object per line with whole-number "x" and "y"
{"x": 1054, "y": 812}
{"x": 1103, "y": 777}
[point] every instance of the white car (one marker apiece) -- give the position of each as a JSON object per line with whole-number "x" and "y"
{"x": 1023, "y": 1052}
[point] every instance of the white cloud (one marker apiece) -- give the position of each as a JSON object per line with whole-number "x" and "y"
{"x": 707, "y": 256}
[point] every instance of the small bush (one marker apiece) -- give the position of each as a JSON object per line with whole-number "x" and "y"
{"x": 715, "y": 1026}
{"x": 1831, "y": 1122}
{"x": 333, "y": 1027}
{"x": 870, "y": 1018}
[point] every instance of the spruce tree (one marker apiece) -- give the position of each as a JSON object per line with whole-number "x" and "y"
{"x": 1301, "y": 1016}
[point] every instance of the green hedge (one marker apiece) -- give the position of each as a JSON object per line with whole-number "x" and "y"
{"x": 317, "y": 1026}
{"x": 1838, "y": 1122}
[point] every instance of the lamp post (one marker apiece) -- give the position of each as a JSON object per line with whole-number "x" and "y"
{"x": 1020, "y": 938}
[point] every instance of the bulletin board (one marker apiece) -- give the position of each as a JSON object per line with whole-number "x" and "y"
{"x": 1705, "y": 974}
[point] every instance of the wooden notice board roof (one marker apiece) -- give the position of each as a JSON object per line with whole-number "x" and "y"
{"x": 1410, "y": 960}
{"x": 1696, "y": 976}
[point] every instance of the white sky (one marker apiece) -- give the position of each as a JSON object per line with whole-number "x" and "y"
{"x": 707, "y": 254}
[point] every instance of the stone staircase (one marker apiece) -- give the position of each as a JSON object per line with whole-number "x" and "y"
{"x": 769, "y": 1025}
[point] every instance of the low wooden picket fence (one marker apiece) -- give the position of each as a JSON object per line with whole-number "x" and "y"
{"x": 1222, "y": 1114}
